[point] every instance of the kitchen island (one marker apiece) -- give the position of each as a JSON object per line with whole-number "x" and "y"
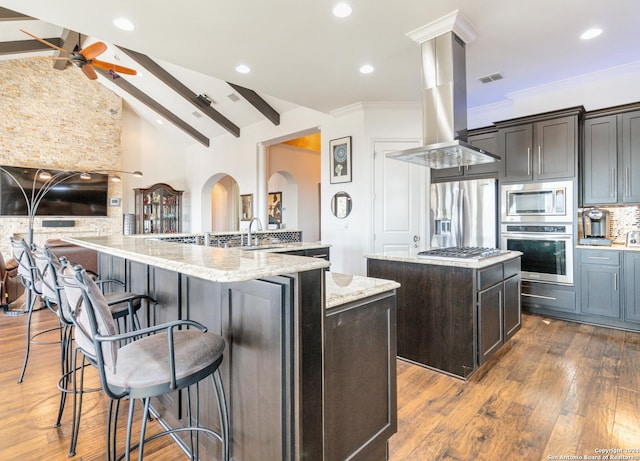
{"x": 271, "y": 310}
{"x": 453, "y": 315}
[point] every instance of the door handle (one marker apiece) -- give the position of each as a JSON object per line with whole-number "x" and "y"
{"x": 528, "y": 161}
{"x": 416, "y": 238}
{"x": 539, "y": 160}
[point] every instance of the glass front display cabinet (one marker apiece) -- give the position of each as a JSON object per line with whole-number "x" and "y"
{"x": 158, "y": 209}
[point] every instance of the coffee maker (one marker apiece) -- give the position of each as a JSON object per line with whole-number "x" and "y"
{"x": 595, "y": 227}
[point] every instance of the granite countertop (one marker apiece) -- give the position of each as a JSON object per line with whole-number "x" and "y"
{"x": 213, "y": 234}
{"x": 209, "y": 263}
{"x": 614, "y": 246}
{"x": 413, "y": 258}
{"x": 342, "y": 289}
{"x": 282, "y": 247}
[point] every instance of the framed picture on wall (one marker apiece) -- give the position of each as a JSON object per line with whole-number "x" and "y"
{"x": 340, "y": 162}
{"x": 247, "y": 207}
{"x": 274, "y": 208}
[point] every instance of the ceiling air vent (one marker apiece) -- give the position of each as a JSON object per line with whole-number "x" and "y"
{"x": 234, "y": 97}
{"x": 491, "y": 77}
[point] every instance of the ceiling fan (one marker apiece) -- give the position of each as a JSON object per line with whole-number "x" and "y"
{"x": 85, "y": 58}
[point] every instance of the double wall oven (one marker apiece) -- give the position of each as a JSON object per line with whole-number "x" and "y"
{"x": 537, "y": 220}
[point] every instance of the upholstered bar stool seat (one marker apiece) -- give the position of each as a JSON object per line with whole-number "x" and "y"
{"x": 143, "y": 366}
{"x": 123, "y": 305}
{"x": 146, "y": 363}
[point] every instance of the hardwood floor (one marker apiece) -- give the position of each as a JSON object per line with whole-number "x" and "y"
{"x": 559, "y": 389}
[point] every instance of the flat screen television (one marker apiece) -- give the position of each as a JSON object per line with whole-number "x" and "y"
{"x": 72, "y": 197}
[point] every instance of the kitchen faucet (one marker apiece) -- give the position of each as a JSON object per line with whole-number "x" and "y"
{"x": 249, "y": 232}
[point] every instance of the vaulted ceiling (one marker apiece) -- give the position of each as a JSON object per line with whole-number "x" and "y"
{"x": 301, "y": 55}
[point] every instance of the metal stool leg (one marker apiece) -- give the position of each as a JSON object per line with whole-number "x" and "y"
{"x": 29, "y": 302}
{"x": 65, "y": 368}
{"x": 221, "y": 399}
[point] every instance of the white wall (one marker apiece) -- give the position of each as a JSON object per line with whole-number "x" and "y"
{"x": 606, "y": 88}
{"x": 300, "y": 201}
{"x": 237, "y": 157}
{"x": 350, "y": 238}
{"x": 158, "y": 153}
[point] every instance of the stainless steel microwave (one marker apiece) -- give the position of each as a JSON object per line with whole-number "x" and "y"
{"x": 542, "y": 202}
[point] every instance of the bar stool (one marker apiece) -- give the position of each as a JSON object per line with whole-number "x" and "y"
{"x": 155, "y": 361}
{"x": 28, "y": 274}
{"x": 122, "y": 305}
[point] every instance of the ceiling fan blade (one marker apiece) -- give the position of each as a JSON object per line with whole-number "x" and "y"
{"x": 55, "y": 58}
{"x": 93, "y": 50}
{"x": 114, "y": 67}
{"x": 45, "y": 42}
{"x": 89, "y": 71}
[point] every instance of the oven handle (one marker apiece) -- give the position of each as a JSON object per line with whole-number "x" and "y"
{"x": 537, "y": 236}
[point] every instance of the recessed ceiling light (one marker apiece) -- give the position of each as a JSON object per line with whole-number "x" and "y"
{"x": 366, "y": 69}
{"x": 341, "y": 10}
{"x": 124, "y": 24}
{"x": 243, "y": 69}
{"x": 159, "y": 122}
{"x": 591, "y": 33}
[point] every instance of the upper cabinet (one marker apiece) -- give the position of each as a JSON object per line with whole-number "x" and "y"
{"x": 611, "y": 158}
{"x": 539, "y": 148}
{"x": 158, "y": 209}
{"x": 483, "y": 138}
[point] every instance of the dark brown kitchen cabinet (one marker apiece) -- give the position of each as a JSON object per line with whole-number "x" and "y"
{"x": 499, "y": 312}
{"x": 483, "y": 138}
{"x": 360, "y": 411}
{"x": 611, "y": 158}
{"x": 452, "y": 318}
{"x": 542, "y": 147}
{"x": 600, "y": 161}
{"x": 158, "y": 209}
{"x": 490, "y": 320}
{"x": 630, "y": 157}
{"x": 632, "y": 286}
{"x": 600, "y": 283}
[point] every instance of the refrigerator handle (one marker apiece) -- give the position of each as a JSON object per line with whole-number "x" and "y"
{"x": 460, "y": 226}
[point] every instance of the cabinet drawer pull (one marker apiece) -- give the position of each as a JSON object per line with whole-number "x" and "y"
{"x": 539, "y": 296}
{"x": 598, "y": 257}
{"x": 615, "y": 282}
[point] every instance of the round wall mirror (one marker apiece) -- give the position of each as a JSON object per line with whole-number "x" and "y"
{"x": 341, "y": 205}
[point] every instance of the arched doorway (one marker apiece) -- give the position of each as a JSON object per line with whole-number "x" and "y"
{"x": 220, "y": 204}
{"x": 293, "y": 168}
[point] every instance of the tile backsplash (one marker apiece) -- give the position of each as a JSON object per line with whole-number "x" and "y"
{"x": 623, "y": 219}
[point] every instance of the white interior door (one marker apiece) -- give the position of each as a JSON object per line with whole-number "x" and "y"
{"x": 400, "y": 200}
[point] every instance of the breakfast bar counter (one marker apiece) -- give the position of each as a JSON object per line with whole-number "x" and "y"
{"x": 309, "y": 364}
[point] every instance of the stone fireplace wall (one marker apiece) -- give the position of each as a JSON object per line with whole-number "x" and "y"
{"x": 59, "y": 120}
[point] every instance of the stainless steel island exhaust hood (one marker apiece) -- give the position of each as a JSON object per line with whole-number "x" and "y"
{"x": 444, "y": 107}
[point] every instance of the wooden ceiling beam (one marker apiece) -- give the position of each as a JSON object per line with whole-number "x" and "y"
{"x": 182, "y": 90}
{"x": 155, "y": 106}
{"x": 9, "y": 15}
{"x": 27, "y": 46}
{"x": 256, "y": 101}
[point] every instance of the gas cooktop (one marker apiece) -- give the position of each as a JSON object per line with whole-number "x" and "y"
{"x": 460, "y": 253}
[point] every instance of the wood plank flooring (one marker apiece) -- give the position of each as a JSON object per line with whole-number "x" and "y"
{"x": 559, "y": 389}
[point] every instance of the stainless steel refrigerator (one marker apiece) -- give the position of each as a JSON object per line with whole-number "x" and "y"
{"x": 464, "y": 213}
